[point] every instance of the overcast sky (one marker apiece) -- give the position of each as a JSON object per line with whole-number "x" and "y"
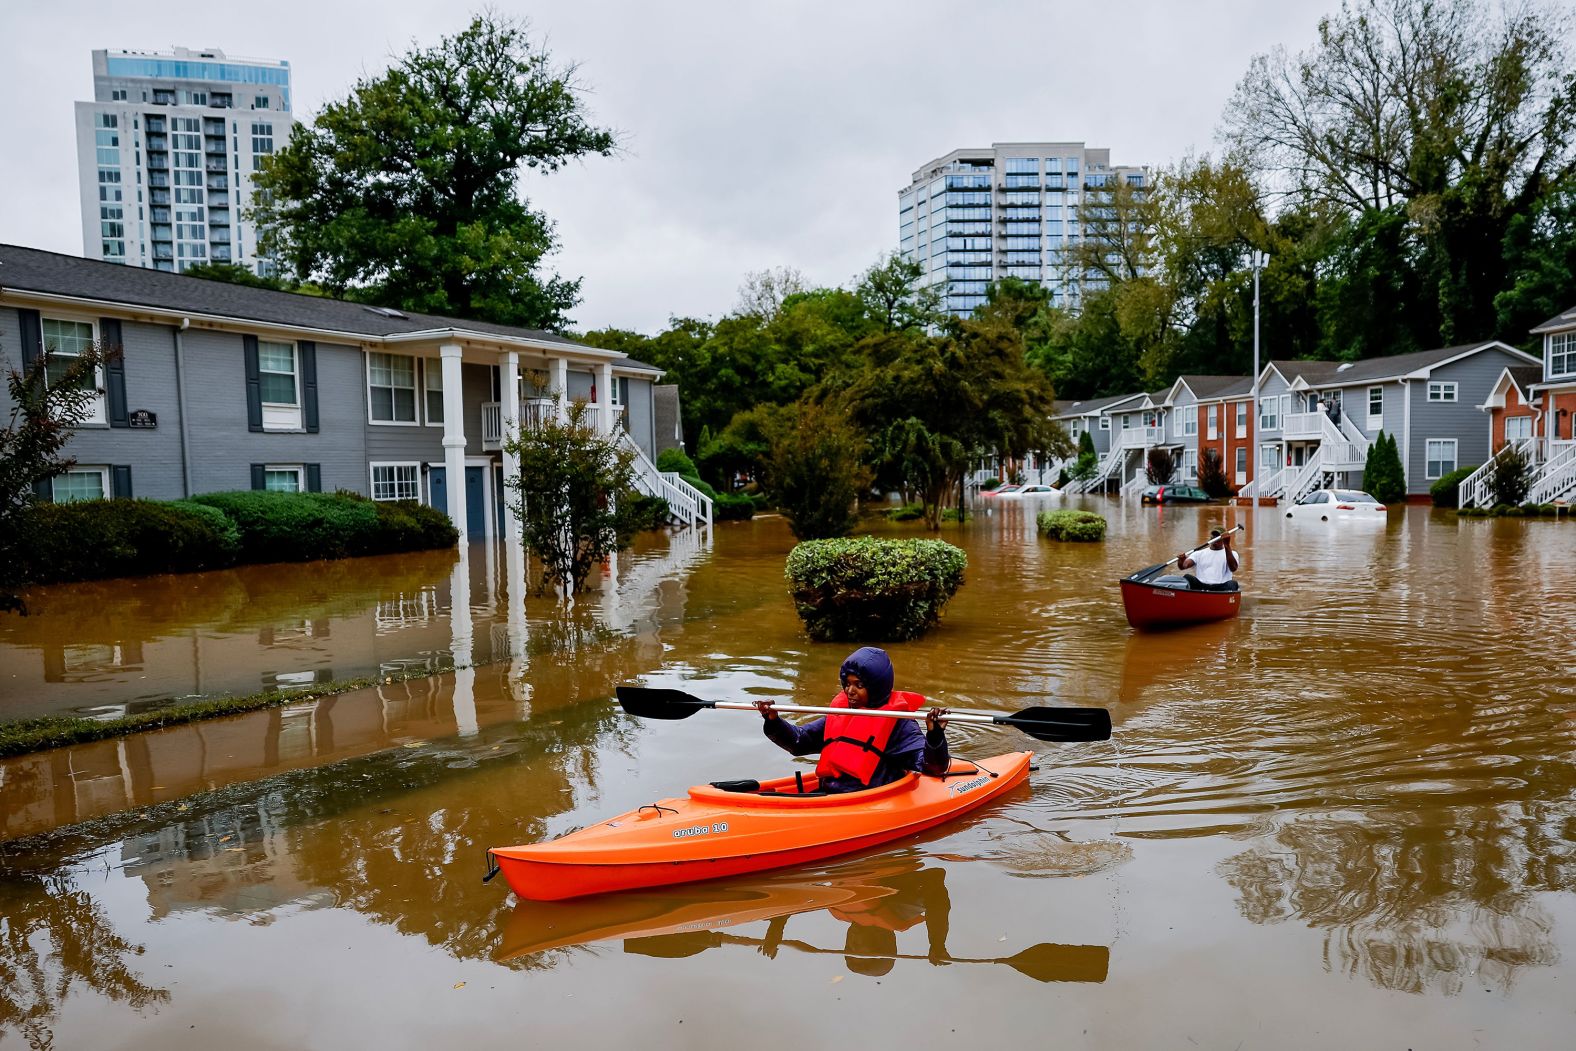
{"x": 755, "y": 134}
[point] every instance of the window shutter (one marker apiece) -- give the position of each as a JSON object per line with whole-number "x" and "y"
{"x": 120, "y": 481}
{"x": 309, "y": 385}
{"x": 258, "y": 481}
{"x": 254, "y": 389}
{"x": 114, "y": 371}
{"x": 314, "y": 478}
{"x": 32, "y": 336}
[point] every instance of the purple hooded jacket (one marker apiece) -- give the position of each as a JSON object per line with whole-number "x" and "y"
{"x": 909, "y": 747}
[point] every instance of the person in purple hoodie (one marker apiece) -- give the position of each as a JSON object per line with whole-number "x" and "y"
{"x": 862, "y": 751}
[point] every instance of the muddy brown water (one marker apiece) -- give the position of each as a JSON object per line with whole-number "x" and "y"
{"x": 1345, "y": 819}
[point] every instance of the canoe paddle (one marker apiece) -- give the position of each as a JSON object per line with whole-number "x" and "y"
{"x": 1045, "y": 962}
{"x": 1046, "y": 724}
{"x": 1145, "y": 574}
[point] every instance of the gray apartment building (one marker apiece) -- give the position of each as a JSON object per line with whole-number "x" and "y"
{"x": 974, "y": 216}
{"x": 224, "y": 387}
{"x": 166, "y": 150}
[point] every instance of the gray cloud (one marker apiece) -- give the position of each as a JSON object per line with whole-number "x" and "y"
{"x": 755, "y": 134}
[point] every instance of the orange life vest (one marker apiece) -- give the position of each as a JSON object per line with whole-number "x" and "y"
{"x": 856, "y": 744}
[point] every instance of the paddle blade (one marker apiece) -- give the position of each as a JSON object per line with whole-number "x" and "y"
{"x": 1062, "y": 724}
{"x": 1062, "y": 963}
{"x": 651, "y": 703}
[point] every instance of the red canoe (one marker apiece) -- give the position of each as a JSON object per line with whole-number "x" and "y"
{"x": 1167, "y": 602}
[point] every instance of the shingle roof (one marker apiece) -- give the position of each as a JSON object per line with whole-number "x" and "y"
{"x": 32, "y": 270}
{"x": 1089, "y": 406}
{"x": 1208, "y": 388}
{"x": 1328, "y": 373}
{"x": 1564, "y": 319}
{"x": 1525, "y": 376}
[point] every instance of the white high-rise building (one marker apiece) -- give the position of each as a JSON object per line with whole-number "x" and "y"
{"x": 975, "y": 216}
{"x": 166, "y": 152}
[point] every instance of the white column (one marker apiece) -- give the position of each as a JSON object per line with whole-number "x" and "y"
{"x": 604, "y": 387}
{"x": 461, "y": 645}
{"x": 510, "y": 410}
{"x": 560, "y": 385}
{"x": 454, "y": 437}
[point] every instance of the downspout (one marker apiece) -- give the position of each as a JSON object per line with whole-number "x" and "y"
{"x": 180, "y": 405}
{"x": 1406, "y": 437}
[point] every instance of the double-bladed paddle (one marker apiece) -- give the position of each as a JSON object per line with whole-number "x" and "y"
{"x": 1045, "y": 962}
{"x": 1047, "y": 724}
{"x": 1145, "y": 574}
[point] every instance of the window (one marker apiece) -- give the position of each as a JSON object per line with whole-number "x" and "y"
{"x": 1242, "y": 464}
{"x": 1190, "y": 420}
{"x": 64, "y": 342}
{"x": 279, "y": 479}
{"x": 432, "y": 371}
{"x": 1376, "y": 403}
{"x": 1517, "y": 428}
{"x": 276, "y": 368}
{"x": 1242, "y": 419}
{"x": 260, "y": 102}
{"x": 1127, "y": 420}
{"x": 1189, "y": 463}
{"x": 1441, "y": 392}
{"x": 391, "y": 382}
{"x": 1105, "y": 423}
{"x": 1441, "y": 457}
{"x": 1269, "y": 418}
{"x": 1562, "y": 354}
{"x": 1213, "y": 424}
{"x": 81, "y": 483}
{"x": 395, "y": 481}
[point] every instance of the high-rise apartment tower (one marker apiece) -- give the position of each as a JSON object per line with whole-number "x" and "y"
{"x": 166, "y": 152}
{"x": 975, "y": 216}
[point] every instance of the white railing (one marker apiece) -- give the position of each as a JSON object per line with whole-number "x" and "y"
{"x": 1135, "y": 484}
{"x": 1557, "y": 478}
{"x": 1143, "y": 437}
{"x": 1306, "y": 479}
{"x": 688, "y": 505}
{"x": 1474, "y": 490}
{"x": 534, "y": 414}
{"x": 1264, "y": 485}
{"x": 1110, "y": 464}
{"x": 1303, "y": 424}
{"x": 1343, "y": 449}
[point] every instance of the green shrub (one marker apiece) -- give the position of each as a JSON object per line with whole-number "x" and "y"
{"x": 639, "y": 513}
{"x": 298, "y": 527}
{"x": 906, "y": 513}
{"x": 1382, "y": 473}
{"x": 97, "y": 539}
{"x": 1071, "y": 525}
{"x": 816, "y": 472}
{"x": 990, "y": 483}
{"x": 1447, "y": 491}
{"x": 1510, "y": 477}
{"x": 732, "y": 507}
{"x": 678, "y": 461}
{"x": 405, "y": 525}
{"x": 864, "y": 589}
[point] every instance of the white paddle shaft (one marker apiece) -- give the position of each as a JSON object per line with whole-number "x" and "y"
{"x": 880, "y": 713}
{"x": 1205, "y": 544}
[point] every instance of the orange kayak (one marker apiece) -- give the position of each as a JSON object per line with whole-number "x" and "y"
{"x": 714, "y": 832}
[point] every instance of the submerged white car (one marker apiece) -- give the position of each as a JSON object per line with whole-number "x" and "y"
{"x": 1031, "y": 492}
{"x": 1339, "y": 505}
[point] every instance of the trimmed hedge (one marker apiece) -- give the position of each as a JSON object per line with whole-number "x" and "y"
{"x": 94, "y": 539}
{"x": 1447, "y": 491}
{"x": 862, "y": 589}
{"x": 302, "y": 527}
{"x": 1513, "y": 511}
{"x": 1082, "y": 526}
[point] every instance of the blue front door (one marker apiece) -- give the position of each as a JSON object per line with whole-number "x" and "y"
{"x": 475, "y": 502}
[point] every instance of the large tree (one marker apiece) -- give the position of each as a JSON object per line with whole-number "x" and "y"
{"x": 1448, "y": 115}
{"x": 407, "y": 193}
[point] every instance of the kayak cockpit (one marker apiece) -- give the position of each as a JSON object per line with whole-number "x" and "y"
{"x": 795, "y": 791}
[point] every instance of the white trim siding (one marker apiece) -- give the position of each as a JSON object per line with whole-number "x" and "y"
{"x": 279, "y": 413}
{"x": 74, "y": 487}
{"x": 1437, "y": 466}
{"x": 396, "y": 484}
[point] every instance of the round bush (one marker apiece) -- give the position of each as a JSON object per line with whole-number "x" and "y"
{"x": 867, "y": 590}
{"x": 1447, "y": 491}
{"x": 1081, "y": 526}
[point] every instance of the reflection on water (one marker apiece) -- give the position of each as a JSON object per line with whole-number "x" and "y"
{"x": 1362, "y": 786}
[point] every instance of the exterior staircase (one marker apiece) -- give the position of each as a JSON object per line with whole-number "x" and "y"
{"x": 1557, "y": 478}
{"x": 1475, "y": 492}
{"x": 689, "y": 506}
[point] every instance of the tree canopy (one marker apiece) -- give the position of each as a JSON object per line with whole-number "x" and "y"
{"x": 407, "y": 192}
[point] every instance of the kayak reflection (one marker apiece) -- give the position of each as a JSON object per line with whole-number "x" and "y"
{"x": 877, "y": 899}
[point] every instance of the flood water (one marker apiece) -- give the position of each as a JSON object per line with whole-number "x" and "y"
{"x": 1347, "y": 818}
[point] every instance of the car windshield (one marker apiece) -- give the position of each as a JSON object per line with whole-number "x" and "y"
{"x": 1352, "y": 496}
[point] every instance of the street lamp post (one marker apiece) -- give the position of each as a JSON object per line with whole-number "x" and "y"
{"x": 1258, "y": 260}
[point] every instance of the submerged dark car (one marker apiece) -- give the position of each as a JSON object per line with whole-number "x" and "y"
{"x": 1174, "y": 494}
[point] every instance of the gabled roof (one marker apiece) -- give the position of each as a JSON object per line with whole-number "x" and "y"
{"x": 1211, "y": 388}
{"x": 94, "y": 281}
{"x": 1095, "y": 406}
{"x": 1522, "y": 377}
{"x": 1566, "y": 319}
{"x": 1396, "y": 367}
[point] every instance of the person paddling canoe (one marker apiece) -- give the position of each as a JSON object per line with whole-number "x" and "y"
{"x": 865, "y": 752}
{"x": 1214, "y": 564}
